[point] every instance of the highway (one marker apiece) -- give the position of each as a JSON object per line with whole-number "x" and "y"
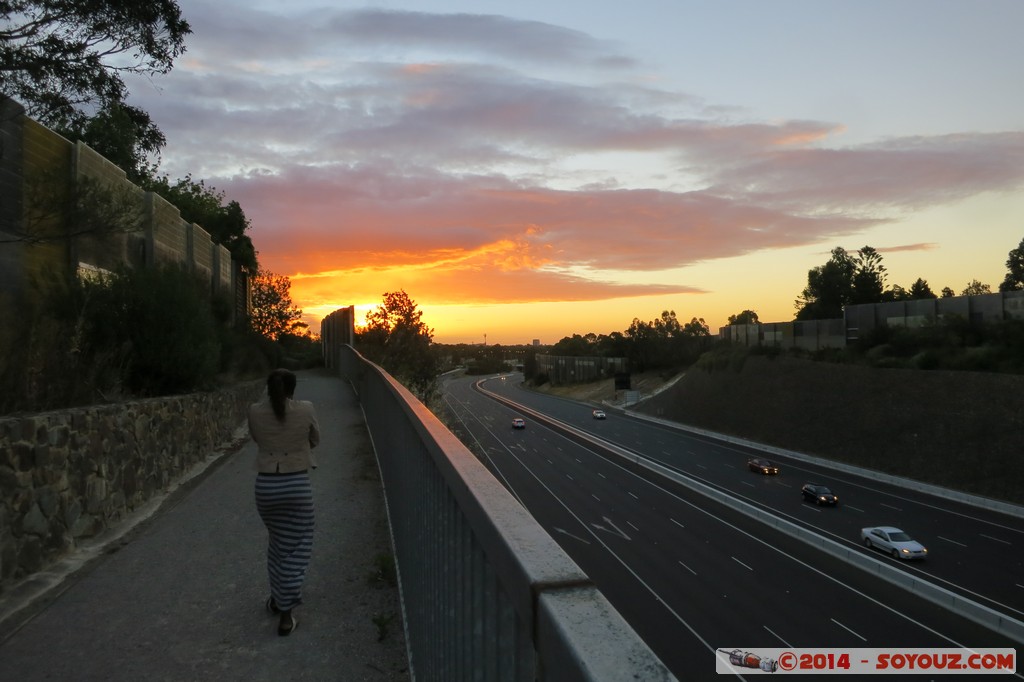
{"x": 693, "y": 575}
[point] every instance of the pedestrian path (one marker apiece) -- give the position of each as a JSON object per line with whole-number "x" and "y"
{"x": 181, "y": 595}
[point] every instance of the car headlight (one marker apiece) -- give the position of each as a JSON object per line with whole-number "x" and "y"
{"x": 905, "y": 550}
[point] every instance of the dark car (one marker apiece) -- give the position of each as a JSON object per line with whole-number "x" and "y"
{"x": 819, "y": 494}
{"x": 762, "y": 466}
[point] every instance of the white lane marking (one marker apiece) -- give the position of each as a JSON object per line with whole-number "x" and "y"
{"x": 847, "y": 629}
{"x": 730, "y": 466}
{"x": 574, "y": 537}
{"x": 676, "y": 614}
{"x": 595, "y": 497}
{"x": 570, "y": 477}
{"x": 632, "y": 526}
{"x": 742, "y": 564}
{"x": 890, "y": 507}
{"x": 602, "y": 475}
{"x": 953, "y": 541}
{"x": 1005, "y": 542}
{"x": 856, "y": 509}
{"x": 633, "y": 496}
{"x": 701, "y": 466}
{"x": 687, "y": 568}
{"x": 676, "y": 522}
{"x": 748, "y": 483}
{"x": 777, "y": 636}
{"x": 578, "y": 460}
{"x": 618, "y": 531}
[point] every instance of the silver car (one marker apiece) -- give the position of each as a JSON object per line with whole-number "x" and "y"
{"x": 894, "y": 541}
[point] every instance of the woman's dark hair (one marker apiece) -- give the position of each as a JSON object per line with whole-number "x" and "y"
{"x": 280, "y": 387}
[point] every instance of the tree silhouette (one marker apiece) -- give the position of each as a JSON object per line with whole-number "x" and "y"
{"x": 829, "y": 288}
{"x": 1014, "y": 280}
{"x": 272, "y": 312}
{"x": 60, "y": 58}
{"x": 869, "y": 277}
{"x": 745, "y": 317}
{"x": 976, "y": 288}
{"x": 920, "y": 289}
{"x": 396, "y": 338}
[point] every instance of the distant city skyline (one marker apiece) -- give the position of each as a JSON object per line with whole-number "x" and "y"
{"x": 534, "y": 170}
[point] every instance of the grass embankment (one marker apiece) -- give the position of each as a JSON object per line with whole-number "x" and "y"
{"x": 958, "y": 430}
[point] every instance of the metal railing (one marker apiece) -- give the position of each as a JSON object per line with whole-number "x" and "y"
{"x": 486, "y": 593}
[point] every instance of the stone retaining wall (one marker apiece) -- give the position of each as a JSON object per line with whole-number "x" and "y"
{"x": 65, "y": 476}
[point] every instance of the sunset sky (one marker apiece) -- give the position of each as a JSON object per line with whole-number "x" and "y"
{"x": 532, "y": 170}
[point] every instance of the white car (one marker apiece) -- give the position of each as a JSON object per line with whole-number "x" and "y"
{"x": 518, "y": 423}
{"x": 894, "y": 541}
{"x": 599, "y": 414}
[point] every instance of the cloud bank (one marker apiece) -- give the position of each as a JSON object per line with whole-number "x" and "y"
{"x": 492, "y": 160}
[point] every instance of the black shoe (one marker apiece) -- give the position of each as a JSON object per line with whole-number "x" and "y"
{"x": 272, "y": 606}
{"x": 288, "y": 624}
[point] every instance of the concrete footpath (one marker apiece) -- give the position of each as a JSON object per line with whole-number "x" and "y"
{"x": 177, "y": 591}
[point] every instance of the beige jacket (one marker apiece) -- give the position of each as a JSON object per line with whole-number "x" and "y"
{"x": 284, "y": 446}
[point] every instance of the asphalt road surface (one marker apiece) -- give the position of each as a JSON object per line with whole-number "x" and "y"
{"x": 693, "y": 575}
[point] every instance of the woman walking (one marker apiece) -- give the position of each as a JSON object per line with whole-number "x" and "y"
{"x": 286, "y": 431}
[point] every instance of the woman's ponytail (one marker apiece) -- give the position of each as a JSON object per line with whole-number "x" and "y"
{"x": 280, "y": 387}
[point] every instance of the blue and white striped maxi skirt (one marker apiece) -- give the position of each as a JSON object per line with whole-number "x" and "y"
{"x": 285, "y": 503}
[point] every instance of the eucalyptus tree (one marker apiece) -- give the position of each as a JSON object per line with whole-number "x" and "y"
{"x": 63, "y": 59}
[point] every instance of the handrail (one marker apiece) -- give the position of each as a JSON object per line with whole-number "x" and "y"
{"x": 486, "y": 593}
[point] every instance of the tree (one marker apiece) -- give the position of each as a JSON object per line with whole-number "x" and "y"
{"x": 976, "y": 288}
{"x": 896, "y": 293}
{"x": 397, "y": 339}
{"x": 204, "y": 206}
{"x": 845, "y": 279}
{"x": 947, "y": 292}
{"x": 697, "y": 328}
{"x": 60, "y": 57}
{"x": 272, "y": 312}
{"x": 642, "y": 341}
{"x": 920, "y": 289}
{"x": 613, "y": 345}
{"x": 869, "y": 278}
{"x": 829, "y": 288}
{"x": 575, "y": 346}
{"x": 745, "y": 317}
{"x": 1014, "y": 280}
{"x": 123, "y": 135}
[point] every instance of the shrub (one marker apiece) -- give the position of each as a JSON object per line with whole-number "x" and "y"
{"x": 159, "y": 323}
